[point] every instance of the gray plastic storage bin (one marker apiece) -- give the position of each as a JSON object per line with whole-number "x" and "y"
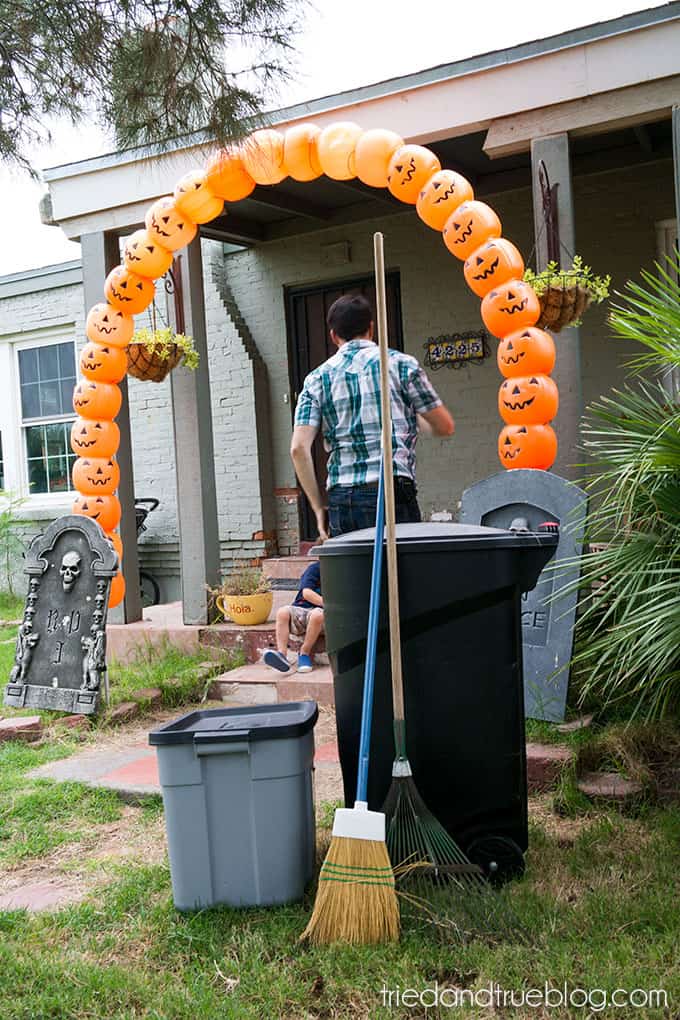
{"x": 239, "y": 807}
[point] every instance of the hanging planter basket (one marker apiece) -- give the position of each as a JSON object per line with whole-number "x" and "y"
{"x": 563, "y": 306}
{"x": 150, "y": 365}
{"x": 152, "y": 354}
{"x": 565, "y": 294}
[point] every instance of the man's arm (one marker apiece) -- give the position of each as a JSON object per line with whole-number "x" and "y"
{"x": 312, "y": 596}
{"x": 301, "y": 453}
{"x": 437, "y": 422}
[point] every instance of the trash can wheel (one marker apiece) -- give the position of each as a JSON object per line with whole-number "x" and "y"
{"x": 499, "y": 856}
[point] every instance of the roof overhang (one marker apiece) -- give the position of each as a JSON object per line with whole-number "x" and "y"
{"x": 590, "y": 80}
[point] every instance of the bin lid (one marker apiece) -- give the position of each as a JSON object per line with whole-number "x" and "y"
{"x": 431, "y": 537}
{"x": 262, "y": 722}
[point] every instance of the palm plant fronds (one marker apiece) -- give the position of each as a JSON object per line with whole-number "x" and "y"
{"x": 628, "y": 634}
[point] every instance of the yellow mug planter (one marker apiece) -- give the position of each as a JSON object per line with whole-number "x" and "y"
{"x": 247, "y": 610}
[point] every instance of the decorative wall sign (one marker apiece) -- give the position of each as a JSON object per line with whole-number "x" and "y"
{"x": 456, "y": 349}
{"x": 60, "y": 659}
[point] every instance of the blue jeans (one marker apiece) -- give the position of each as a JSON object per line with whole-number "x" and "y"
{"x": 352, "y": 507}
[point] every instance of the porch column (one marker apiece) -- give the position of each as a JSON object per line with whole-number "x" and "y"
{"x": 553, "y": 151}
{"x": 676, "y": 163}
{"x": 195, "y": 465}
{"x": 100, "y": 253}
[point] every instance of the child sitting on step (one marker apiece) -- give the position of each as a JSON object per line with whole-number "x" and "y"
{"x": 304, "y": 618}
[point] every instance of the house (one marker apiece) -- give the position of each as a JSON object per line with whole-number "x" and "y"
{"x": 597, "y": 107}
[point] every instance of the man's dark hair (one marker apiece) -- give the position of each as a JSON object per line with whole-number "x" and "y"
{"x": 350, "y": 316}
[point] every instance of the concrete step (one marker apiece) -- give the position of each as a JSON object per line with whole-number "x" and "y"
{"x": 545, "y": 764}
{"x": 256, "y": 684}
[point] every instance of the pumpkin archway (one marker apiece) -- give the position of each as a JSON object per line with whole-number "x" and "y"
{"x": 444, "y": 200}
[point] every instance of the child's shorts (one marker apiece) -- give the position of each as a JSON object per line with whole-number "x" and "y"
{"x": 299, "y": 618}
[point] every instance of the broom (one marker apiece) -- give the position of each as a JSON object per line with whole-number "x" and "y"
{"x": 433, "y": 873}
{"x": 356, "y": 900}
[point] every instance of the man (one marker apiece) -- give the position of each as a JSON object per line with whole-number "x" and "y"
{"x": 342, "y": 398}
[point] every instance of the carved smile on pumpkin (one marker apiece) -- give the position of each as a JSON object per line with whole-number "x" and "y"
{"x": 447, "y": 194}
{"x": 516, "y": 307}
{"x": 101, "y": 328}
{"x": 165, "y": 219}
{"x": 512, "y": 453}
{"x": 465, "y": 233}
{"x": 512, "y": 359}
{"x": 80, "y": 400}
{"x": 410, "y": 172}
{"x": 487, "y": 272}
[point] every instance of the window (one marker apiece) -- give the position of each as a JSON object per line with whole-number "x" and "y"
{"x": 47, "y": 375}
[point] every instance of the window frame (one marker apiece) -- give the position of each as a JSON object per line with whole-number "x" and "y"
{"x": 64, "y": 333}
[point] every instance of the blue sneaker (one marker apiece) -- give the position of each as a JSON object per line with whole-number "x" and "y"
{"x": 305, "y": 664}
{"x": 276, "y": 660}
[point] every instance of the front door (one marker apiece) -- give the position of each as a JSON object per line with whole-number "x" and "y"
{"x": 309, "y": 345}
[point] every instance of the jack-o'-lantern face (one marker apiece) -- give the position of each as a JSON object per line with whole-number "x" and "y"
{"x": 94, "y": 438}
{"x": 96, "y": 475}
{"x": 97, "y": 400}
{"x": 108, "y": 325}
{"x": 167, "y": 226}
{"x": 105, "y": 510}
{"x": 527, "y": 351}
{"x": 469, "y": 226}
{"x": 410, "y": 168}
{"x": 127, "y": 291}
{"x": 103, "y": 362}
{"x": 142, "y": 255}
{"x": 195, "y": 200}
{"x": 528, "y": 400}
{"x": 440, "y": 196}
{"x": 510, "y": 307}
{"x": 491, "y": 264}
{"x": 227, "y": 177}
{"x": 527, "y": 446}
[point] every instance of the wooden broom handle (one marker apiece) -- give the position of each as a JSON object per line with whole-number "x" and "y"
{"x": 388, "y": 468}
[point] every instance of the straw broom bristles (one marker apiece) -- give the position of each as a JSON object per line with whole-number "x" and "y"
{"x": 356, "y": 901}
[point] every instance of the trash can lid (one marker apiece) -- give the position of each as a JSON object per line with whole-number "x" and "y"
{"x": 262, "y": 722}
{"x": 431, "y": 536}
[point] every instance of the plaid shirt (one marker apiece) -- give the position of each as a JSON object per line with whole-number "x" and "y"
{"x": 342, "y": 397}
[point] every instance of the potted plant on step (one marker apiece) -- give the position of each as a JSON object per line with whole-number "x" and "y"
{"x": 565, "y": 294}
{"x": 155, "y": 352}
{"x": 245, "y": 596}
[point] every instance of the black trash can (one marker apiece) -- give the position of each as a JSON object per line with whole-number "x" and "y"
{"x": 460, "y": 590}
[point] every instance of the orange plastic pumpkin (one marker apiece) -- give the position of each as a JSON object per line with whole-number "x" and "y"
{"x": 528, "y": 400}
{"x": 337, "y": 150}
{"x": 300, "y": 152}
{"x": 510, "y": 307}
{"x": 127, "y": 291}
{"x": 103, "y": 362}
{"x": 468, "y": 227}
{"x": 262, "y": 155}
{"x": 525, "y": 352}
{"x": 167, "y": 226}
{"x": 94, "y": 438}
{"x": 117, "y": 590}
{"x": 105, "y": 510}
{"x": 409, "y": 170}
{"x": 117, "y": 543}
{"x": 440, "y": 196}
{"x": 527, "y": 446}
{"x": 144, "y": 256}
{"x": 97, "y": 400}
{"x": 108, "y": 325}
{"x": 226, "y": 176}
{"x": 93, "y": 475}
{"x": 195, "y": 200}
{"x": 491, "y": 264}
{"x": 373, "y": 155}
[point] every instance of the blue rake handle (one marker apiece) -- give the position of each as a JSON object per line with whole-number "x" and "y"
{"x": 371, "y": 642}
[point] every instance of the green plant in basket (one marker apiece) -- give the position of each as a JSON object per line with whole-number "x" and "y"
{"x": 166, "y": 343}
{"x": 564, "y": 294}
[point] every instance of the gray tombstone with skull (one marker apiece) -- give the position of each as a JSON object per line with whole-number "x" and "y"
{"x": 60, "y": 659}
{"x": 522, "y": 500}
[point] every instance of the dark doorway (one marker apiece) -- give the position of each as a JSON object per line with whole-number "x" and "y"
{"x": 309, "y": 345}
